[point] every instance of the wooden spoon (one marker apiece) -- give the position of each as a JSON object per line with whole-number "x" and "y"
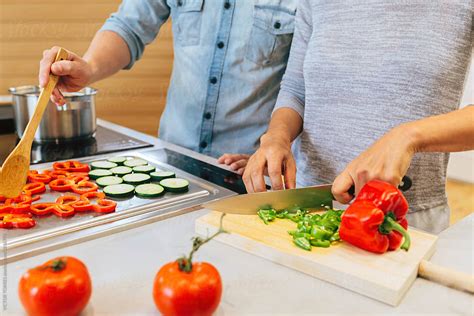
{"x": 14, "y": 171}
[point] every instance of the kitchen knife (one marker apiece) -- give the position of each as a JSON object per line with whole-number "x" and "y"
{"x": 315, "y": 197}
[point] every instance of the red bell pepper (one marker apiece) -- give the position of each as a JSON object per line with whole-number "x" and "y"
{"x": 42, "y": 208}
{"x": 37, "y": 177}
{"x": 71, "y": 166}
{"x": 56, "y": 174}
{"x": 18, "y": 221}
{"x": 61, "y": 185}
{"x": 82, "y": 206}
{"x": 105, "y": 206}
{"x": 84, "y": 186}
{"x": 376, "y": 221}
{"x": 63, "y": 210}
{"x": 34, "y": 188}
{"x": 92, "y": 195}
{"x": 67, "y": 199}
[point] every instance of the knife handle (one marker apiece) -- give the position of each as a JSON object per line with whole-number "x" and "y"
{"x": 404, "y": 186}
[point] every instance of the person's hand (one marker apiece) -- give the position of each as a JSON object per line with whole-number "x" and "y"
{"x": 74, "y": 73}
{"x": 275, "y": 156}
{"x": 387, "y": 159}
{"x": 236, "y": 162}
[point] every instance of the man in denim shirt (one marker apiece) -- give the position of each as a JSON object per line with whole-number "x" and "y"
{"x": 230, "y": 57}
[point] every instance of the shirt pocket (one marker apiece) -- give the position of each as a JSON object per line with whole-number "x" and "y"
{"x": 186, "y": 16}
{"x": 272, "y": 31}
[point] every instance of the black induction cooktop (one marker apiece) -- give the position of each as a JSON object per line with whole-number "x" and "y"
{"x": 200, "y": 169}
{"x": 105, "y": 141}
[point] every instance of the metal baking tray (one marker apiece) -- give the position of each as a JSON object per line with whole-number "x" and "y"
{"x": 51, "y": 226}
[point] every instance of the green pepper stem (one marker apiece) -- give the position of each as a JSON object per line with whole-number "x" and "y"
{"x": 391, "y": 224}
{"x": 186, "y": 263}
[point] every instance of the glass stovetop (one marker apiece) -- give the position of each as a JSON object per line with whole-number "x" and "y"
{"x": 105, "y": 141}
{"x": 108, "y": 141}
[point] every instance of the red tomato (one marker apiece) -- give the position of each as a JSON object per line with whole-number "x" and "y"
{"x": 60, "y": 287}
{"x": 197, "y": 292}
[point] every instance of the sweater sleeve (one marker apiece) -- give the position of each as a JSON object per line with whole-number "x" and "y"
{"x": 292, "y": 91}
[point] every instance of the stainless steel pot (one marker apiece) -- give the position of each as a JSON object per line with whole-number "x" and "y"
{"x": 74, "y": 120}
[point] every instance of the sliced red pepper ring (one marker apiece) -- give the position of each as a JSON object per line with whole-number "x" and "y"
{"x": 82, "y": 206}
{"x": 18, "y": 221}
{"x": 56, "y": 174}
{"x": 92, "y": 195}
{"x": 76, "y": 166}
{"x": 5, "y": 208}
{"x": 35, "y": 177}
{"x": 67, "y": 199}
{"x": 63, "y": 210}
{"x": 84, "y": 187}
{"x": 71, "y": 166}
{"x": 3, "y": 215}
{"x": 61, "y": 184}
{"x": 35, "y": 198}
{"x": 105, "y": 206}
{"x": 42, "y": 208}
{"x": 78, "y": 174}
{"x": 78, "y": 179}
{"x": 20, "y": 209}
{"x": 34, "y": 188}
{"x": 60, "y": 165}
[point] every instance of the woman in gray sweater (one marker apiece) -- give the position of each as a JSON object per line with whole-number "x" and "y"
{"x": 372, "y": 91}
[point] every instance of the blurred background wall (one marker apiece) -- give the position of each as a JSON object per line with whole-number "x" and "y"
{"x": 27, "y": 27}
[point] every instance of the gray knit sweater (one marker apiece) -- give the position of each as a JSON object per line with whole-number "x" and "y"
{"x": 359, "y": 68}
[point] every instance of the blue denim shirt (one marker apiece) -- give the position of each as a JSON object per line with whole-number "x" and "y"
{"x": 229, "y": 58}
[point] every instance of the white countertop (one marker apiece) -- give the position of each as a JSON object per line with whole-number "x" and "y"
{"x": 123, "y": 266}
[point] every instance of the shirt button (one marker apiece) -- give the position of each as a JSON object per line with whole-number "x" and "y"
{"x": 220, "y": 44}
{"x": 180, "y": 3}
{"x": 277, "y": 25}
{"x": 213, "y": 80}
{"x": 227, "y": 5}
{"x": 203, "y": 144}
{"x": 207, "y": 115}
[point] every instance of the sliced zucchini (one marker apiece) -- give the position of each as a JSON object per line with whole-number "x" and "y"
{"x": 109, "y": 180}
{"x": 136, "y": 178}
{"x": 160, "y": 175}
{"x": 121, "y": 170}
{"x": 135, "y": 162}
{"x": 149, "y": 190}
{"x": 144, "y": 169}
{"x": 119, "y": 160}
{"x": 175, "y": 184}
{"x": 99, "y": 173}
{"x": 119, "y": 190}
{"x": 103, "y": 164}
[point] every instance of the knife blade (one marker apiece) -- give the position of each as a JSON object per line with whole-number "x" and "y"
{"x": 315, "y": 197}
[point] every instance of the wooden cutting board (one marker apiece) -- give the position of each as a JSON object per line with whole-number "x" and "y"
{"x": 384, "y": 277}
